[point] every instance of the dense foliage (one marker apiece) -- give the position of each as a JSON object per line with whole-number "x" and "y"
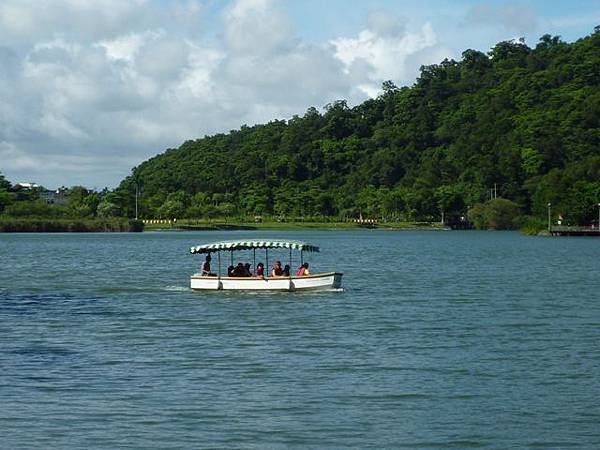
{"x": 525, "y": 119}
{"x": 23, "y": 210}
{"x": 496, "y": 214}
{"x": 45, "y": 225}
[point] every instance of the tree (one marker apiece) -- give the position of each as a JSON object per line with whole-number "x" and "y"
{"x": 171, "y": 209}
{"x": 496, "y": 214}
{"x": 77, "y": 196}
{"x": 91, "y": 201}
{"x": 6, "y": 199}
{"x": 37, "y": 208}
{"x": 4, "y": 183}
{"x": 108, "y": 209}
{"x": 388, "y": 87}
{"x": 225, "y": 209}
{"x": 532, "y": 161}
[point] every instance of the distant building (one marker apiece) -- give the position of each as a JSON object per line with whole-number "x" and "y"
{"x": 57, "y": 197}
{"x": 51, "y": 197}
{"x": 25, "y": 186}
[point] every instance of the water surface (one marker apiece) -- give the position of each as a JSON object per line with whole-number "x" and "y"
{"x": 438, "y": 340}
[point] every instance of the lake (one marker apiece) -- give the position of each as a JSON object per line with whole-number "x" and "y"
{"x": 438, "y": 340}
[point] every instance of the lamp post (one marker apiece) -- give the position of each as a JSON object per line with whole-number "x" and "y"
{"x": 137, "y": 190}
{"x": 549, "y": 223}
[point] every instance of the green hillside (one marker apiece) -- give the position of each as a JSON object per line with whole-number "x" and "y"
{"x": 525, "y": 119}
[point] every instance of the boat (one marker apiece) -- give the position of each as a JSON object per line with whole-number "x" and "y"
{"x": 215, "y": 281}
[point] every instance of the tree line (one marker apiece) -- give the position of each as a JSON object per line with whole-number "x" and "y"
{"x": 523, "y": 120}
{"x": 23, "y": 210}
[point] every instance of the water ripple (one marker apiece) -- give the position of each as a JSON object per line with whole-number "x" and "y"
{"x": 437, "y": 340}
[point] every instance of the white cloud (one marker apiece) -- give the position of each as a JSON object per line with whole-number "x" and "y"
{"x": 381, "y": 51}
{"x": 256, "y": 27}
{"x": 16, "y": 159}
{"x": 90, "y": 89}
{"x": 59, "y": 127}
{"x": 86, "y": 169}
{"x": 126, "y": 47}
{"x": 29, "y": 20}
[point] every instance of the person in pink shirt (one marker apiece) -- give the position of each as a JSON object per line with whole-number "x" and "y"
{"x": 303, "y": 270}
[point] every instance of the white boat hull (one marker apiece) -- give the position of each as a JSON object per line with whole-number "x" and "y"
{"x": 330, "y": 280}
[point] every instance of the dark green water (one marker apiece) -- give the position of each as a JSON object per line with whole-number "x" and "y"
{"x": 439, "y": 340}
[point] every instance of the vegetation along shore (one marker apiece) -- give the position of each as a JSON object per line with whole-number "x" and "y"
{"x": 493, "y": 139}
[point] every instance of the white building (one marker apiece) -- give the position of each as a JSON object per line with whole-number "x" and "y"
{"x": 25, "y": 186}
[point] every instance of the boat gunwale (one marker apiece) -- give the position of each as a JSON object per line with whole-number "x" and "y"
{"x": 292, "y": 277}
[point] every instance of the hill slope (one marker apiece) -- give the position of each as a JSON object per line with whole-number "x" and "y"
{"x": 525, "y": 119}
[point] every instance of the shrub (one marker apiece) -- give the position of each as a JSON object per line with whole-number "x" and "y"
{"x": 532, "y": 225}
{"x": 496, "y": 214}
{"x": 38, "y": 225}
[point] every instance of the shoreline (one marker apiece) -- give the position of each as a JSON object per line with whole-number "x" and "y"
{"x": 322, "y": 226}
{"x": 111, "y": 225}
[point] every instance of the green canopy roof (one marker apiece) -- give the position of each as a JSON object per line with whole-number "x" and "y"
{"x": 248, "y": 245}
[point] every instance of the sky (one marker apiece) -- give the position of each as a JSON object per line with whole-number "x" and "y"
{"x": 89, "y": 89}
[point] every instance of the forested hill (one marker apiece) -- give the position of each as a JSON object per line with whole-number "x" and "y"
{"x": 525, "y": 119}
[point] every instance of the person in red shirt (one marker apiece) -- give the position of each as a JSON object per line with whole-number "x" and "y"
{"x": 303, "y": 270}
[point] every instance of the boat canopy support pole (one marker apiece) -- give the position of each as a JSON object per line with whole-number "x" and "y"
{"x": 254, "y": 260}
{"x": 231, "y": 253}
{"x": 291, "y": 265}
{"x": 267, "y": 259}
{"x": 219, "y": 253}
{"x": 301, "y": 257}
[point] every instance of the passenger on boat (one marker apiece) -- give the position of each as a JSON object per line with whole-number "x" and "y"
{"x": 286, "y": 270}
{"x": 277, "y": 271}
{"x": 206, "y": 266}
{"x": 247, "y": 272}
{"x": 230, "y": 271}
{"x": 239, "y": 270}
{"x": 303, "y": 270}
{"x": 260, "y": 270}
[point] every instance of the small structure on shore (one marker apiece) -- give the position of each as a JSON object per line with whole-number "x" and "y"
{"x": 564, "y": 230}
{"x": 56, "y": 197}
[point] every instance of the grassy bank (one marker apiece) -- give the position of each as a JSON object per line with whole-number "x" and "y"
{"x": 199, "y": 225}
{"x": 41, "y": 225}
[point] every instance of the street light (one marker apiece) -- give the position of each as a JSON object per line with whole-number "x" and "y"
{"x": 137, "y": 189}
{"x": 549, "y": 205}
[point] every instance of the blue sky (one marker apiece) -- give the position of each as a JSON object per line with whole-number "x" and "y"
{"x": 90, "y": 89}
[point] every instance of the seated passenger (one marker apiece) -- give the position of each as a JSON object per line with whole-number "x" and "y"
{"x": 286, "y": 270}
{"x": 303, "y": 270}
{"x": 206, "y": 266}
{"x": 230, "y": 271}
{"x": 247, "y": 272}
{"x": 277, "y": 271}
{"x": 239, "y": 270}
{"x": 260, "y": 270}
